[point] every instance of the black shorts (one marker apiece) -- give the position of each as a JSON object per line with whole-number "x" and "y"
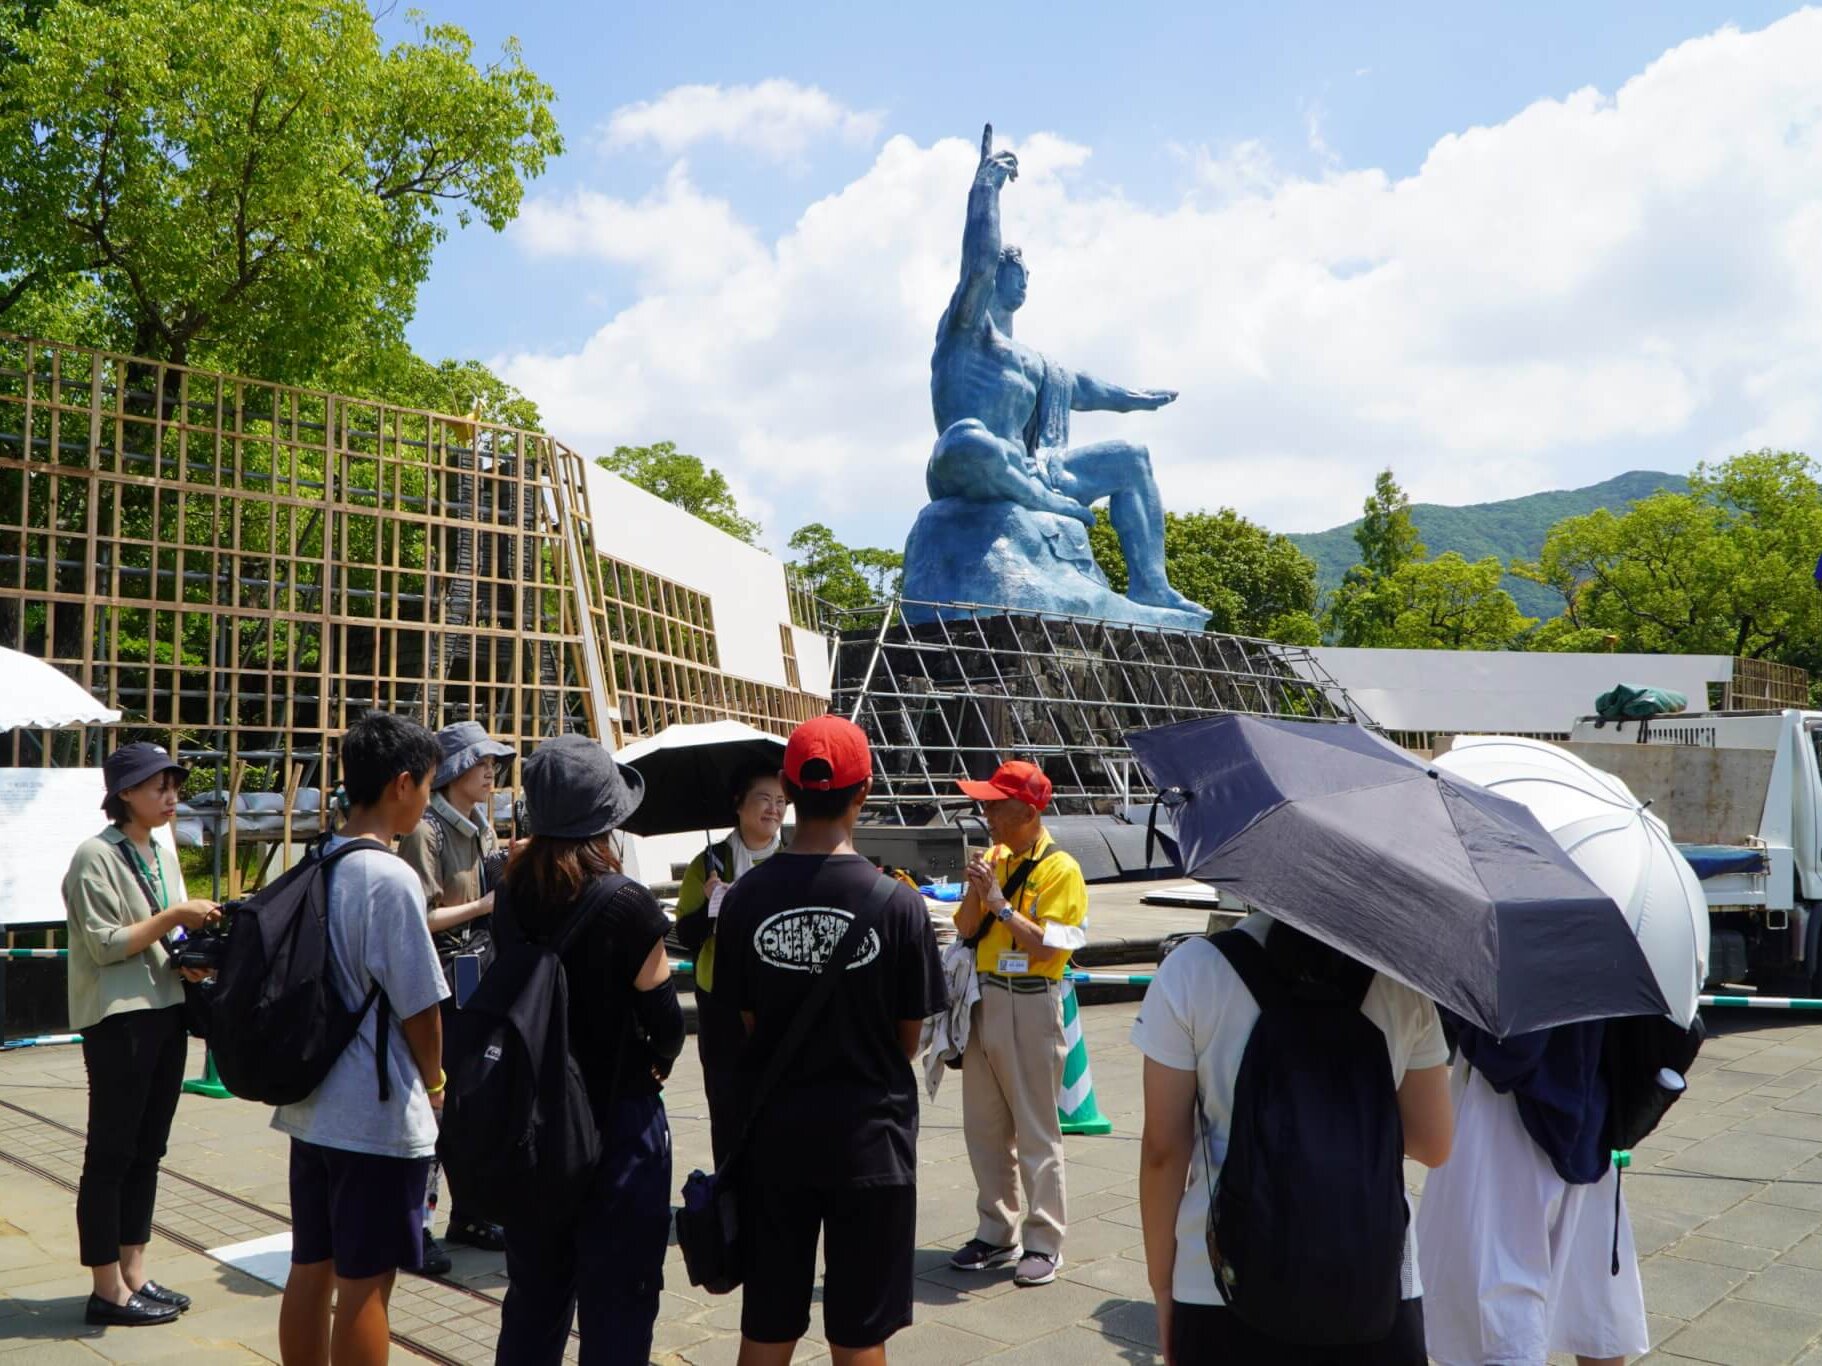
{"x": 364, "y": 1211}
{"x": 1211, "y": 1334}
{"x": 868, "y": 1239}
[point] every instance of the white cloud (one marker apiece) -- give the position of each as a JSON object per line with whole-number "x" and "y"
{"x": 778, "y": 119}
{"x": 675, "y": 238}
{"x": 1595, "y": 284}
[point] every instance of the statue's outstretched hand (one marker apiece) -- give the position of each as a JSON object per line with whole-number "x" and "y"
{"x": 1150, "y": 400}
{"x": 996, "y": 168}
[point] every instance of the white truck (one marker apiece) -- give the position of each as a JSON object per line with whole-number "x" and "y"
{"x": 1742, "y": 795}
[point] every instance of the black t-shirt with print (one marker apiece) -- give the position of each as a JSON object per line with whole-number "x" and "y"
{"x": 845, "y": 1112}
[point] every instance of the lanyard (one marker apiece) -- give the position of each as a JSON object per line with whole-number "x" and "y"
{"x": 164, "y": 896}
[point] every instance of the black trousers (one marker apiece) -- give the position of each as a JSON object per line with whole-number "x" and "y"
{"x": 720, "y": 1039}
{"x": 135, "y": 1062}
{"x": 605, "y": 1258}
{"x": 1213, "y": 1335}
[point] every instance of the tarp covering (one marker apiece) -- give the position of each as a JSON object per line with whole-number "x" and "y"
{"x": 34, "y": 695}
{"x": 1632, "y": 702}
{"x": 1720, "y": 860}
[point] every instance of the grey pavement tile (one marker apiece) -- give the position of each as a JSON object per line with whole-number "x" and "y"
{"x": 1785, "y": 1124}
{"x": 1653, "y": 1230}
{"x": 1718, "y": 1252}
{"x": 1738, "y": 1333}
{"x": 1758, "y": 1224}
{"x": 1794, "y": 1287}
{"x": 1798, "y": 1194}
{"x": 1806, "y": 1253}
{"x": 1755, "y": 1157}
{"x": 937, "y": 1344}
{"x": 1025, "y": 1314}
{"x": 1667, "y": 1192}
{"x": 1684, "y": 1289}
{"x": 1124, "y": 1276}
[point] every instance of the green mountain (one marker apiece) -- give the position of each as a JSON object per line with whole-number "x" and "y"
{"x": 1512, "y": 530}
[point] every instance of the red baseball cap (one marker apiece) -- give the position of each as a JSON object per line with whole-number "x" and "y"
{"x": 1016, "y": 779}
{"x": 838, "y": 743}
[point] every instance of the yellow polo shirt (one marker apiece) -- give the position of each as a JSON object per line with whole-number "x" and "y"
{"x": 1054, "y": 893}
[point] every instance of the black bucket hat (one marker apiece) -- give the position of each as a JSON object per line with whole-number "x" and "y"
{"x": 574, "y": 790}
{"x": 133, "y": 764}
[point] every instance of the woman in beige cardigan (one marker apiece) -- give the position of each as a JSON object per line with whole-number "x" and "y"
{"x": 124, "y": 895}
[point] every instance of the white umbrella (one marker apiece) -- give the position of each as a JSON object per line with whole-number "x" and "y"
{"x": 1621, "y": 846}
{"x": 34, "y": 695}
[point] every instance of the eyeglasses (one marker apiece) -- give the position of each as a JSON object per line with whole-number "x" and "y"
{"x": 770, "y": 803}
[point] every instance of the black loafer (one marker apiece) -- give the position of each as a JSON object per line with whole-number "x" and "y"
{"x": 476, "y": 1233}
{"x": 137, "y": 1312}
{"x": 436, "y": 1261}
{"x": 159, "y": 1294}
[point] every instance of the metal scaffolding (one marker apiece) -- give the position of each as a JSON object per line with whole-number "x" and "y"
{"x": 953, "y": 697}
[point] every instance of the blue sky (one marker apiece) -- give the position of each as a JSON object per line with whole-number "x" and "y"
{"x": 1149, "y": 111}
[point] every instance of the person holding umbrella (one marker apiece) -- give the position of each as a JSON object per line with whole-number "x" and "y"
{"x": 759, "y": 805}
{"x": 448, "y": 851}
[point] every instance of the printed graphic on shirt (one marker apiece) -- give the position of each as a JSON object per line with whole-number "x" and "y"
{"x": 801, "y": 940}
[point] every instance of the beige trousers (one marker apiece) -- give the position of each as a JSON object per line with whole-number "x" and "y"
{"x": 1012, "y": 1074}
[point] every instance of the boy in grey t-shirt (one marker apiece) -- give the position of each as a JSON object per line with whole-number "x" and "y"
{"x": 359, "y": 1165}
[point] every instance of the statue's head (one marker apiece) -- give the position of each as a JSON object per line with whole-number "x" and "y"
{"x": 1010, "y": 280}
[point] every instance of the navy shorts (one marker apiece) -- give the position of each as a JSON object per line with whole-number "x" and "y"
{"x": 364, "y": 1211}
{"x": 868, "y": 1238}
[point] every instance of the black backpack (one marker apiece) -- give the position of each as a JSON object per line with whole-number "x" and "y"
{"x": 1634, "y": 1050}
{"x": 518, "y": 1132}
{"x": 1306, "y": 1226}
{"x": 276, "y": 1022}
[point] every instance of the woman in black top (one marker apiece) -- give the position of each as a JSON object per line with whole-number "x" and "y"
{"x": 606, "y": 1255}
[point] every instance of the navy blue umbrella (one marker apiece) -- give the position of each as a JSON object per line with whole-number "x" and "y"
{"x": 1426, "y": 877}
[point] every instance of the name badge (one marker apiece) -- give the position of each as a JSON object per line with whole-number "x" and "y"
{"x": 1014, "y": 964}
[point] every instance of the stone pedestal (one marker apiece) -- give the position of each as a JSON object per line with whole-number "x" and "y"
{"x": 1000, "y": 554}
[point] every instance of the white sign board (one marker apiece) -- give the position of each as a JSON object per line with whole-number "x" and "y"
{"x": 44, "y": 814}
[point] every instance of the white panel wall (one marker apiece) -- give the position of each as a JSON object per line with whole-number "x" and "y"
{"x": 746, "y": 586}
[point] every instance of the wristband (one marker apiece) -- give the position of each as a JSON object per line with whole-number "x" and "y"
{"x": 442, "y": 1081}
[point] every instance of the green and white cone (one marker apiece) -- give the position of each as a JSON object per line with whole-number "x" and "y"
{"x": 1076, "y": 1107}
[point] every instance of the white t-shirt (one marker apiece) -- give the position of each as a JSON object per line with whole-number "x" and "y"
{"x": 377, "y": 933}
{"x": 1197, "y": 1016}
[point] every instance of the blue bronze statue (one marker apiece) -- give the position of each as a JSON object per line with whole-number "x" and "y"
{"x": 1011, "y": 499}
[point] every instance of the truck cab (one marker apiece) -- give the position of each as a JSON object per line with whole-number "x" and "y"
{"x": 1742, "y": 795}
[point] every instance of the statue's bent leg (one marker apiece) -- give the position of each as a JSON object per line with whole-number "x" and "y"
{"x": 1120, "y": 471}
{"x": 971, "y": 462}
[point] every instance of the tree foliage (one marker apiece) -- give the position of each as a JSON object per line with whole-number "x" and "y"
{"x": 253, "y": 184}
{"x": 1396, "y": 598}
{"x": 1253, "y": 582}
{"x": 683, "y": 480}
{"x": 1726, "y": 568}
{"x": 842, "y": 576}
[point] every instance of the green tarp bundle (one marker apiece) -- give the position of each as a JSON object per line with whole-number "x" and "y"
{"x": 1629, "y": 703}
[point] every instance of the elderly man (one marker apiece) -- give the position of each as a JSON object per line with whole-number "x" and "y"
{"x": 1023, "y": 911}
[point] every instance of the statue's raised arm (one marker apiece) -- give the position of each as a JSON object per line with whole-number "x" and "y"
{"x": 981, "y": 237}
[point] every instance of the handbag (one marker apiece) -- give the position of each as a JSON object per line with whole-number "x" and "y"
{"x": 197, "y": 996}
{"x": 708, "y": 1224}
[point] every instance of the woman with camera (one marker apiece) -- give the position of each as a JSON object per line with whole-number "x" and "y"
{"x": 563, "y": 887}
{"x": 124, "y": 898}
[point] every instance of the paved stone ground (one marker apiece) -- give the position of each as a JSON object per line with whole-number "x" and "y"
{"x": 1726, "y": 1201}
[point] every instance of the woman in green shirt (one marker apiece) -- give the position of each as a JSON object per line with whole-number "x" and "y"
{"x": 123, "y": 895}
{"x": 759, "y": 805}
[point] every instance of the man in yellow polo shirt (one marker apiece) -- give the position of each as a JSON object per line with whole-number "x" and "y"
{"x": 1026, "y": 902}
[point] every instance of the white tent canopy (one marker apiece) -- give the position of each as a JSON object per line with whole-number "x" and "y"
{"x": 34, "y": 695}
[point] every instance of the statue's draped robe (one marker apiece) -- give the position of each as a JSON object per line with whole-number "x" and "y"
{"x": 1047, "y": 433}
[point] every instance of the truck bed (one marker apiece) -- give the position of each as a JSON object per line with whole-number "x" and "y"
{"x": 1724, "y": 860}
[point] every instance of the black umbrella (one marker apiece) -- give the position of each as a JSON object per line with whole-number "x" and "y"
{"x": 689, "y": 773}
{"x": 1426, "y": 877}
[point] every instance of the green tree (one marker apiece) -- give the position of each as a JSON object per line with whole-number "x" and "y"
{"x": 1449, "y": 603}
{"x": 682, "y": 480}
{"x": 1726, "y": 568}
{"x": 253, "y": 184}
{"x": 1253, "y": 582}
{"x": 842, "y": 576}
{"x": 1387, "y": 536}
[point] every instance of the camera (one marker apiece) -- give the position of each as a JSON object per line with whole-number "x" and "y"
{"x": 205, "y": 950}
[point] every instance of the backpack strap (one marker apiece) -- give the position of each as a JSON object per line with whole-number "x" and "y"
{"x": 1258, "y": 974}
{"x": 376, "y": 998}
{"x": 826, "y": 976}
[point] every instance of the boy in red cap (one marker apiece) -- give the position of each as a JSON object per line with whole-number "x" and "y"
{"x": 1023, "y": 910}
{"x": 833, "y": 1145}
